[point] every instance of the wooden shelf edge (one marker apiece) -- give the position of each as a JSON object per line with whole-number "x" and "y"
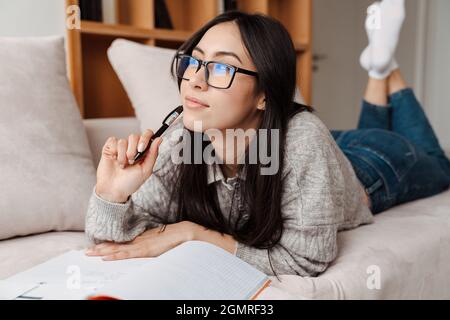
{"x": 301, "y": 47}
{"x": 119, "y": 30}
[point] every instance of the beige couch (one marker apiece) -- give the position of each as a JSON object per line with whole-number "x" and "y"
{"x": 405, "y": 254}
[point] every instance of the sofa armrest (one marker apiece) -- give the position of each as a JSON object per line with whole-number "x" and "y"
{"x": 99, "y": 130}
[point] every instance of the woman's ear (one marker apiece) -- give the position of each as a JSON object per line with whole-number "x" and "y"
{"x": 262, "y": 104}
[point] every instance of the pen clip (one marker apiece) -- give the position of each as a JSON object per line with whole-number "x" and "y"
{"x": 174, "y": 113}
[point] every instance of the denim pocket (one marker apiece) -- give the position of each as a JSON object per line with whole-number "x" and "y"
{"x": 394, "y": 153}
{"x": 373, "y": 178}
{"x": 366, "y": 172}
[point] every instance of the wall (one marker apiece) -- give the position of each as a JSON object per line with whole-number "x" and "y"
{"x": 437, "y": 69}
{"x": 20, "y": 18}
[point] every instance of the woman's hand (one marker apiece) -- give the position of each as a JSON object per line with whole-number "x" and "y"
{"x": 117, "y": 176}
{"x": 151, "y": 243}
{"x": 155, "y": 242}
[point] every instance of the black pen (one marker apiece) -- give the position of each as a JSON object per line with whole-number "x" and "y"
{"x": 171, "y": 117}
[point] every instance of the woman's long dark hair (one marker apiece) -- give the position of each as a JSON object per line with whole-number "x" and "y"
{"x": 272, "y": 52}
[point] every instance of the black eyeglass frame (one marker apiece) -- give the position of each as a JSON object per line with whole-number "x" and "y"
{"x": 206, "y": 63}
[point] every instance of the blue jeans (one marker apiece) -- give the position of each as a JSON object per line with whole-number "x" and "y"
{"x": 395, "y": 152}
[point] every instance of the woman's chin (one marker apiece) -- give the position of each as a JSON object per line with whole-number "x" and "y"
{"x": 193, "y": 123}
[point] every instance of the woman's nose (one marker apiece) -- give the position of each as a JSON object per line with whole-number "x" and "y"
{"x": 198, "y": 79}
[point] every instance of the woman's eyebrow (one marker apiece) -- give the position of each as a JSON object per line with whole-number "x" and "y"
{"x": 221, "y": 53}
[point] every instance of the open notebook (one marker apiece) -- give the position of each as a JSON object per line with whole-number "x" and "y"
{"x": 192, "y": 270}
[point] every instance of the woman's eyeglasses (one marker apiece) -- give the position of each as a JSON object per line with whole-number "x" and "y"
{"x": 218, "y": 75}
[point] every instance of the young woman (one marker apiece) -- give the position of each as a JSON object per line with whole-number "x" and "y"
{"x": 237, "y": 72}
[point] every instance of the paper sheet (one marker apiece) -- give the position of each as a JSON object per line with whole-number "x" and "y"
{"x": 192, "y": 270}
{"x": 72, "y": 275}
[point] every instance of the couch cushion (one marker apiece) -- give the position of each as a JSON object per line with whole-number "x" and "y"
{"x": 407, "y": 246}
{"x": 145, "y": 74}
{"x": 20, "y": 254}
{"x": 46, "y": 168}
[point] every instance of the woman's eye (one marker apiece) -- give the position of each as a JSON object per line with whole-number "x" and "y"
{"x": 222, "y": 69}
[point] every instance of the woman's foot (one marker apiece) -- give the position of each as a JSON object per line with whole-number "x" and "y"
{"x": 383, "y": 26}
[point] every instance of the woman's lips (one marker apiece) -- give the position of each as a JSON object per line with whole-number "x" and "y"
{"x": 193, "y": 103}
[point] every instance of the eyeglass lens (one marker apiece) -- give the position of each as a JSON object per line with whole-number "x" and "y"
{"x": 218, "y": 74}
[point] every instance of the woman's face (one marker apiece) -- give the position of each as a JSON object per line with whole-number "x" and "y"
{"x": 232, "y": 108}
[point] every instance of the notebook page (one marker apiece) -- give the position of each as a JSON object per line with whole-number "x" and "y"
{"x": 72, "y": 275}
{"x": 192, "y": 270}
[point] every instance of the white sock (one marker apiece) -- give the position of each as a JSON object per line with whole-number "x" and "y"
{"x": 365, "y": 59}
{"x": 381, "y": 75}
{"x": 383, "y": 26}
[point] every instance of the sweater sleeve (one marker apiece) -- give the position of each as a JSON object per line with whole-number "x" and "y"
{"x": 312, "y": 205}
{"x": 149, "y": 207}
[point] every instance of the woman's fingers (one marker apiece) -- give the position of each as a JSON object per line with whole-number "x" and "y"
{"x": 133, "y": 141}
{"x": 114, "y": 251}
{"x": 150, "y": 157}
{"x": 110, "y": 148}
{"x": 119, "y": 251}
{"x": 130, "y": 252}
{"x": 103, "y": 249}
{"x": 124, "y": 150}
{"x": 144, "y": 140}
{"x": 122, "y": 146}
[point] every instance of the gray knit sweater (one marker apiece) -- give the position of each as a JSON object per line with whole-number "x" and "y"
{"x": 321, "y": 196}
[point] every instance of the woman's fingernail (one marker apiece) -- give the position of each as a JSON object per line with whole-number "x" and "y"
{"x": 141, "y": 147}
{"x": 130, "y": 161}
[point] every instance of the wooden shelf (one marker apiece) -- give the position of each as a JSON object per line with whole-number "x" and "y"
{"x": 126, "y": 31}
